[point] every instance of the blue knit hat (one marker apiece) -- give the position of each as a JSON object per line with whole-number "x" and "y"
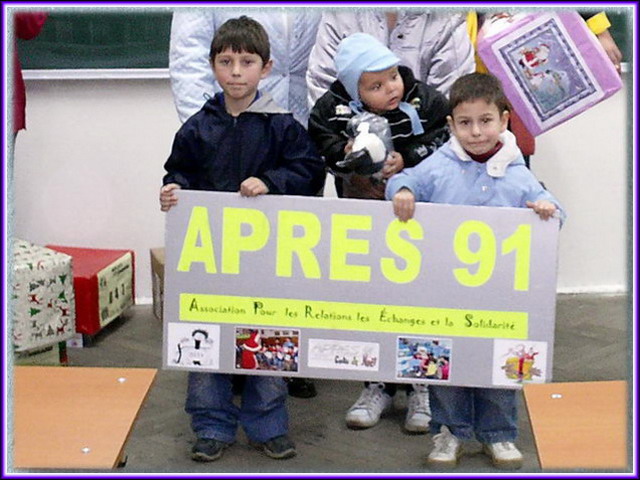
{"x": 359, "y": 53}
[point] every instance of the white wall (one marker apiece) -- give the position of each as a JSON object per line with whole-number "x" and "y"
{"x": 88, "y": 170}
{"x": 89, "y": 166}
{"x": 585, "y": 162}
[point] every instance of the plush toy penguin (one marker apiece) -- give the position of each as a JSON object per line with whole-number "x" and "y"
{"x": 368, "y": 153}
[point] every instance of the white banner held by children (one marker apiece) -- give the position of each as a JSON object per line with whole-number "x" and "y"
{"x": 336, "y": 288}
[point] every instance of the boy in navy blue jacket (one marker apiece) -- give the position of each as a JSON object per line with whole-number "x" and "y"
{"x": 240, "y": 141}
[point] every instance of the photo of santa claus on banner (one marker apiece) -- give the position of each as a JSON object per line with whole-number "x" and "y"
{"x": 267, "y": 349}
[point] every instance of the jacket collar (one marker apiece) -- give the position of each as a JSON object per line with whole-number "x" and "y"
{"x": 263, "y": 103}
{"x": 496, "y": 165}
{"x": 410, "y": 83}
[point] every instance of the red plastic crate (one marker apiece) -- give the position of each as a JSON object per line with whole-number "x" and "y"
{"x": 104, "y": 284}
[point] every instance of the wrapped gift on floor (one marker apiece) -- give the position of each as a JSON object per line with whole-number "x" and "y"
{"x": 42, "y": 297}
{"x": 157, "y": 280}
{"x": 551, "y": 65}
{"x": 104, "y": 285}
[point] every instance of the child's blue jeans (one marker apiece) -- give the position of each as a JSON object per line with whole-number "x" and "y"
{"x": 489, "y": 414}
{"x": 263, "y": 411}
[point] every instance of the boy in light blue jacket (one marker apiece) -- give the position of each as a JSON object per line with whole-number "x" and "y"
{"x": 480, "y": 165}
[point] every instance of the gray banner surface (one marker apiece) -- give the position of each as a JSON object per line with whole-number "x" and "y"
{"x": 337, "y": 288}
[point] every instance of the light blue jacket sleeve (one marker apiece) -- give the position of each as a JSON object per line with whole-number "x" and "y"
{"x": 535, "y": 192}
{"x": 438, "y": 179}
{"x": 416, "y": 179}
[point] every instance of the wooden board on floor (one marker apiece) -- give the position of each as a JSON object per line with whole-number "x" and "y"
{"x": 579, "y": 425}
{"x": 75, "y": 417}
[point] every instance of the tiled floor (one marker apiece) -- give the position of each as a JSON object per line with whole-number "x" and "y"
{"x": 593, "y": 342}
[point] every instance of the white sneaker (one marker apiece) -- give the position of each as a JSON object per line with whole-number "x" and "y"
{"x": 372, "y": 403}
{"x": 504, "y": 454}
{"x": 418, "y": 410}
{"x": 446, "y": 451}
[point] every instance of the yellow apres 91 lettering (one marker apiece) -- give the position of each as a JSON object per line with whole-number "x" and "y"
{"x": 298, "y": 234}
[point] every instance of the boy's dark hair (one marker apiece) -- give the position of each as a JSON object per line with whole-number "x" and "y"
{"x": 242, "y": 34}
{"x": 476, "y": 86}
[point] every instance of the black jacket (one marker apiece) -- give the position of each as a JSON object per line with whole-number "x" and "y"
{"x": 330, "y": 114}
{"x": 215, "y": 151}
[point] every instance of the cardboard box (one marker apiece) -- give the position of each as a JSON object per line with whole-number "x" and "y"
{"x": 550, "y": 64}
{"x": 104, "y": 284}
{"x": 157, "y": 280}
{"x": 77, "y": 341}
{"x": 42, "y": 297}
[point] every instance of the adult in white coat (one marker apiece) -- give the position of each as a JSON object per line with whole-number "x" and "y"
{"x": 435, "y": 45}
{"x": 291, "y": 35}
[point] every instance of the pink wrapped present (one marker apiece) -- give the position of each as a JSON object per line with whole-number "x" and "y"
{"x": 551, "y": 66}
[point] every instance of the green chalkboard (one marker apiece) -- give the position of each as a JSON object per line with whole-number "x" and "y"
{"x": 100, "y": 39}
{"x": 97, "y": 40}
{"x": 621, "y": 30}
{"x": 621, "y": 20}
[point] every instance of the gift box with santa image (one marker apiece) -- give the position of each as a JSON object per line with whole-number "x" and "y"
{"x": 551, "y": 65}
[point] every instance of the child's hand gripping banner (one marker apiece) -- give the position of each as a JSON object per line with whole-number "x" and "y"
{"x": 551, "y": 66}
{"x": 337, "y": 288}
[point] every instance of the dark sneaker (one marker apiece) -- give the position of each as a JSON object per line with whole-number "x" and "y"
{"x": 301, "y": 388}
{"x": 208, "y": 449}
{"x": 278, "y": 447}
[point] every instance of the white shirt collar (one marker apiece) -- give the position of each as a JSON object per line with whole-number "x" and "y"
{"x": 496, "y": 165}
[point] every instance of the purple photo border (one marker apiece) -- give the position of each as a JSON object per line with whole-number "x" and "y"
{"x": 632, "y": 224}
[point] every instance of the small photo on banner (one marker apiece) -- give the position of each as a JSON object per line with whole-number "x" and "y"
{"x": 343, "y": 355}
{"x": 424, "y": 358}
{"x": 267, "y": 349}
{"x": 194, "y": 345}
{"x": 519, "y": 362}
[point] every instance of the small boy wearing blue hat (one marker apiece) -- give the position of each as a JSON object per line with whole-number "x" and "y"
{"x": 370, "y": 79}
